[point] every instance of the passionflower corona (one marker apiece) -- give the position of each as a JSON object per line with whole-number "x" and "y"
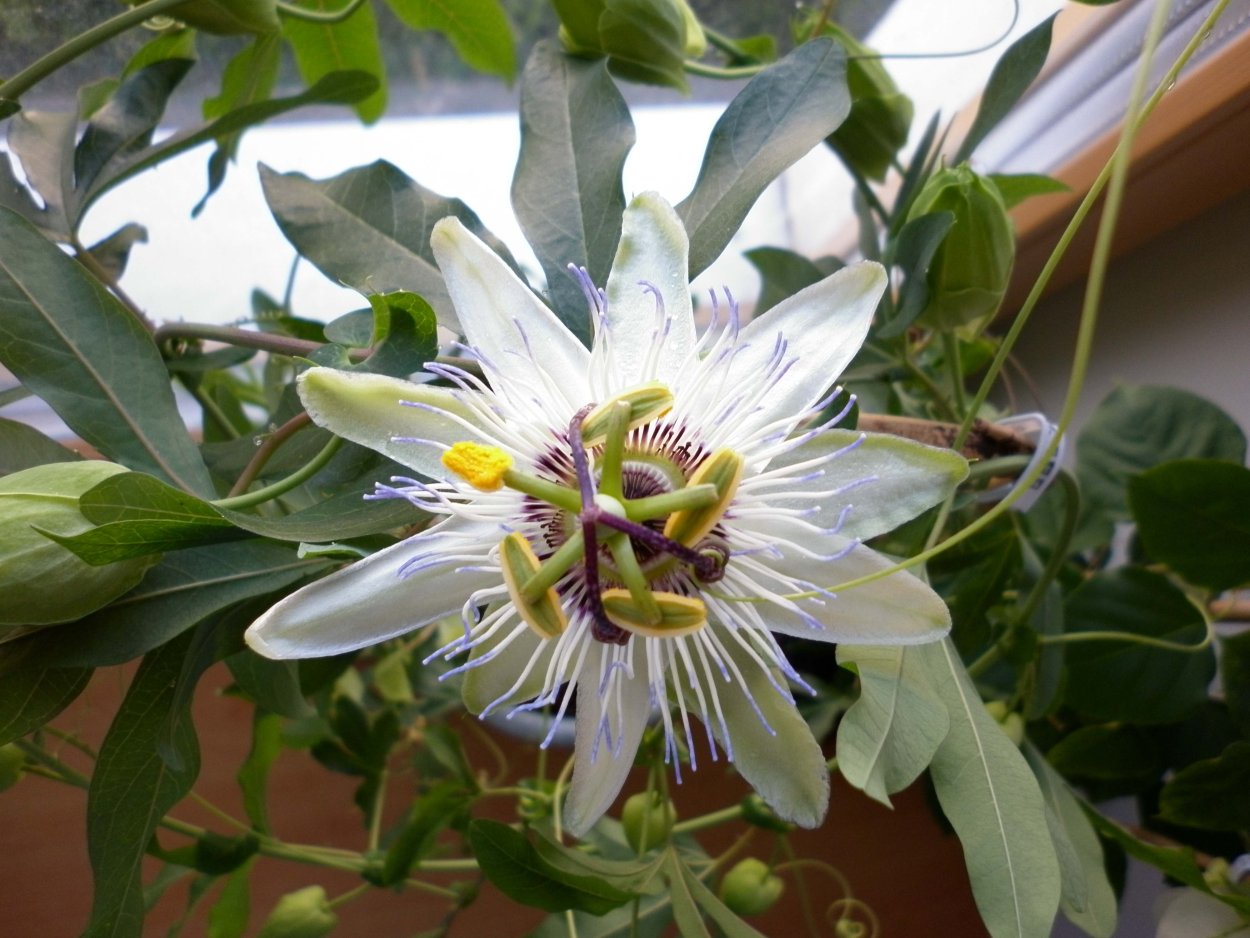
{"x": 633, "y": 524}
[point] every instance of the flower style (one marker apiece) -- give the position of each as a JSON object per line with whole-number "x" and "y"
{"x": 635, "y": 522}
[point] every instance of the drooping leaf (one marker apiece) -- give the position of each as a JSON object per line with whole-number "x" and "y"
{"x": 1087, "y": 898}
{"x": 784, "y": 273}
{"x": 272, "y": 685}
{"x": 229, "y": 914}
{"x": 511, "y": 863}
{"x": 370, "y": 229}
{"x": 73, "y": 344}
{"x": 132, "y": 788}
{"x": 1194, "y": 516}
{"x": 112, "y": 253}
{"x": 405, "y": 334}
{"x": 918, "y": 242}
{"x": 479, "y": 30}
{"x": 44, "y": 143}
{"x": 1018, "y": 187}
{"x": 187, "y": 586}
{"x": 253, "y": 775}
{"x": 567, "y": 194}
{"x": 430, "y": 813}
{"x": 889, "y": 735}
{"x": 726, "y": 920}
{"x": 1107, "y": 752}
{"x": 352, "y": 44}
{"x": 31, "y": 696}
{"x": 22, "y": 447}
{"x": 992, "y": 800}
{"x": 1010, "y": 78}
{"x": 1118, "y": 679}
{"x": 781, "y": 114}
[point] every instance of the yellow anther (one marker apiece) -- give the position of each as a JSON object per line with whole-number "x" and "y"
{"x": 483, "y": 467}
{"x": 723, "y": 470}
{"x": 679, "y": 615}
{"x": 646, "y": 402}
{"x": 543, "y": 614}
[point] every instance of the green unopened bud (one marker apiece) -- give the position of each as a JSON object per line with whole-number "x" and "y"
{"x": 645, "y": 40}
{"x": 751, "y": 887}
{"x": 971, "y": 268}
{"x": 880, "y": 117}
{"x": 648, "y": 819}
{"x": 305, "y": 913}
{"x": 11, "y": 763}
{"x": 1010, "y": 721}
{"x": 41, "y": 582}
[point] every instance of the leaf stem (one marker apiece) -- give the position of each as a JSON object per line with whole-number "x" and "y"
{"x": 704, "y": 821}
{"x": 12, "y": 90}
{"x": 715, "y": 71}
{"x": 954, "y": 368}
{"x": 282, "y": 486}
{"x": 248, "y": 338}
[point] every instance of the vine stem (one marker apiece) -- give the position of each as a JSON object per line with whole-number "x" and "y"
{"x": 282, "y": 486}
{"x": 249, "y": 338}
{"x": 27, "y": 78}
{"x": 266, "y": 450}
{"x": 328, "y": 17}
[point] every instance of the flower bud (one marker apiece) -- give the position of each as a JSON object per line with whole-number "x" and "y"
{"x": 751, "y": 887}
{"x": 305, "y": 913}
{"x": 1011, "y": 722}
{"x": 971, "y": 268}
{"x": 880, "y": 117}
{"x": 645, "y": 40}
{"x": 42, "y": 582}
{"x": 647, "y": 818}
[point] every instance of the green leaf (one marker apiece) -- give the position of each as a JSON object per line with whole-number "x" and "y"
{"x": 779, "y": 116}
{"x": 1210, "y": 794}
{"x": 30, "y": 696}
{"x": 1010, "y": 78}
{"x": 1139, "y": 426}
{"x": 442, "y": 805}
{"x": 479, "y": 30}
{"x": 305, "y": 913}
{"x": 918, "y": 242}
{"x": 645, "y": 41}
{"x": 1194, "y": 516}
{"x": 271, "y": 685}
{"x": 1234, "y": 660}
{"x": 136, "y": 515}
{"x": 511, "y": 863}
{"x": 24, "y": 447}
{"x": 405, "y": 335}
{"x": 991, "y": 798}
{"x": 784, "y": 273}
{"x": 112, "y": 253}
{"x": 172, "y": 44}
{"x": 1087, "y": 898}
{"x": 685, "y": 911}
{"x": 1124, "y": 680}
{"x": 971, "y": 578}
{"x": 322, "y": 48}
{"x": 889, "y": 735}
{"x": 132, "y": 788}
{"x": 229, "y": 914}
{"x": 1175, "y": 862}
{"x": 730, "y": 925}
{"x": 370, "y": 229}
{"x": 567, "y": 195}
{"x": 634, "y": 876}
{"x": 69, "y": 341}
{"x": 186, "y": 587}
{"x": 227, "y": 17}
{"x": 44, "y": 143}
{"x": 1106, "y": 752}
{"x": 1018, "y": 187}
{"x": 253, "y": 776}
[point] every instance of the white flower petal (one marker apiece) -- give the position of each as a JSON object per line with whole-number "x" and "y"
{"x": 601, "y": 763}
{"x": 375, "y": 411}
{"x": 887, "y": 480}
{"x": 773, "y": 748}
{"x": 506, "y": 323}
{"x": 654, "y": 251}
{"x": 824, "y": 325}
{"x": 899, "y": 609}
{"x": 370, "y": 602}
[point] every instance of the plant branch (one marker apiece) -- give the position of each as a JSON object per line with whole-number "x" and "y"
{"x": 282, "y": 486}
{"x": 265, "y": 451}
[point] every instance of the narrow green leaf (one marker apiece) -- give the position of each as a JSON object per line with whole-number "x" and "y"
{"x": 1126, "y": 680}
{"x": 1018, "y": 187}
{"x": 23, "y": 447}
{"x": 782, "y": 113}
{"x": 634, "y": 876}
{"x": 132, "y": 788}
{"x": 1008, "y": 81}
{"x": 992, "y": 800}
{"x": 685, "y": 910}
{"x": 113, "y": 253}
{"x": 30, "y": 696}
{"x": 187, "y": 586}
{"x": 889, "y": 735}
{"x": 442, "y": 805}
{"x": 370, "y": 229}
{"x": 253, "y": 776}
{"x": 918, "y": 242}
{"x": 1194, "y": 516}
{"x": 509, "y": 860}
{"x": 69, "y": 341}
{"x": 479, "y": 30}
{"x": 1087, "y": 898}
{"x": 229, "y": 914}
{"x": 730, "y": 925}
{"x": 1176, "y": 862}
{"x": 271, "y": 685}
{"x": 44, "y": 143}
{"x": 322, "y": 48}
{"x": 567, "y": 194}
